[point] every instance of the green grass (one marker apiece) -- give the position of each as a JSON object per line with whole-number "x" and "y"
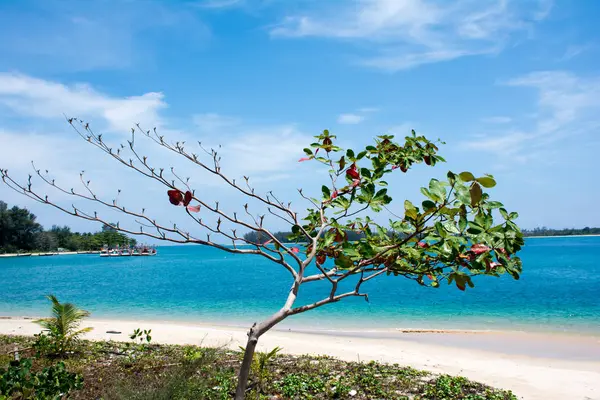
{"x": 115, "y": 371}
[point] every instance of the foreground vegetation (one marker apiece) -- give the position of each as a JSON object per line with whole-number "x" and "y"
{"x": 142, "y": 370}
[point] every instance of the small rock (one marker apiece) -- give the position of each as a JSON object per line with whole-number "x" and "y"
{"x": 352, "y": 392}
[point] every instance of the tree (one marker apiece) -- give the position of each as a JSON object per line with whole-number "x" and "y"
{"x": 17, "y": 228}
{"x": 46, "y": 241}
{"x": 450, "y": 237}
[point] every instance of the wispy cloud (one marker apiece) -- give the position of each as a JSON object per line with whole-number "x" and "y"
{"x": 246, "y": 148}
{"x": 567, "y": 108}
{"x": 350, "y": 119}
{"x": 31, "y": 97}
{"x": 408, "y": 33}
{"x": 575, "y": 50}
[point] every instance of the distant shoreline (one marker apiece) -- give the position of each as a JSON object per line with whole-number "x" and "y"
{"x": 49, "y": 253}
{"x": 561, "y": 236}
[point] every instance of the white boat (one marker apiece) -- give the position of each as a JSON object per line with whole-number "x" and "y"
{"x": 104, "y": 251}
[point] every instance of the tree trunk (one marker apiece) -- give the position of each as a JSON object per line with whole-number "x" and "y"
{"x": 240, "y": 393}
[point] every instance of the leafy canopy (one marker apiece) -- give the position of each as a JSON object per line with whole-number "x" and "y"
{"x": 457, "y": 231}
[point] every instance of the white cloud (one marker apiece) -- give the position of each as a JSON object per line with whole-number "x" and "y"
{"x": 32, "y": 97}
{"x": 350, "y": 119}
{"x": 567, "y": 108}
{"x": 246, "y": 148}
{"x": 497, "y": 120}
{"x": 408, "y": 33}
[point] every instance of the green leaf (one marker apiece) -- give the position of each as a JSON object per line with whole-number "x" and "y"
{"x": 428, "y": 204}
{"x": 494, "y": 204}
{"x": 326, "y": 192}
{"x": 450, "y": 227}
{"x": 436, "y": 188}
{"x": 462, "y": 223}
{"x": 308, "y": 152}
{"x": 466, "y": 176}
{"x": 429, "y": 195}
{"x": 513, "y": 215}
{"x": 295, "y": 229}
{"x": 439, "y": 228}
{"x": 361, "y": 155}
{"x": 487, "y": 181}
{"x": 410, "y": 210}
{"x": 475, "y": 228}
{"x": 476, "y": 194}
{"x": 350, "y": 154}
{"x": 504, "y": 213}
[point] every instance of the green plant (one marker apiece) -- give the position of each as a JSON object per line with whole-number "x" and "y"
{"x": 301, "y": 386}
{"x": 447, "y": 387}
{"x": 62, "y": 328}
{"x": 141, "y": 336}
{"x": 53, "y": 382}
{"x": 260, "y": 364}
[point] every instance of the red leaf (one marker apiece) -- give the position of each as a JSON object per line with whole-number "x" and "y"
{"x": 295, "y": 250}
{"x": 327, "y": 144}
{"x": 304, "y": 159}
{"x": 175, "y": 197}
{"x": 355, "y": 182}
{"x": 268, "y": 242}
{"x": 352, "y": 173}
{"x": 187, "y": 198}
{"x": 194, "y": 209}
{"x": 394, "y": 167}
{"x": 430, "y": 276}
{"x": 334, "y": 194}
{"x": 423, "y": 245}
{"x": 460, "y": 286}
{"x": 479, "y": 248}
{"x": 321, "y": 258}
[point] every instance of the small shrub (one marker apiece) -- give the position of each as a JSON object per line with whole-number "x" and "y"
{"x": 301, "y": 386}
{"x": 53, "y": 382}
{"x": 62, "y": 331}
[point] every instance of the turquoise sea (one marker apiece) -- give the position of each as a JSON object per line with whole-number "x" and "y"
{"x": 559, "y": 291}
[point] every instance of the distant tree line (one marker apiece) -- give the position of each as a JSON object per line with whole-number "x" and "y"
{"x": 543, "y": 231}
{"x": 19, "y": 231}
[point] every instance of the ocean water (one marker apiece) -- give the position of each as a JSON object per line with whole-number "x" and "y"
{"x": 559, "y": 291}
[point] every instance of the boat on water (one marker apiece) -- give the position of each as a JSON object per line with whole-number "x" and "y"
{"x": 127, "y": 251}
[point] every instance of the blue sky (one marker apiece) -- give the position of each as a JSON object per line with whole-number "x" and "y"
{"x": 511, "y": 87}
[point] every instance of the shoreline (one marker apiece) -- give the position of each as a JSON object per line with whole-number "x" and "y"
{"x": 531, "y": 376}
{"x": 48, "y": 254}
{"x": 561, "y": 236}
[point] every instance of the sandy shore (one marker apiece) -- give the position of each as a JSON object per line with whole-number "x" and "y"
{"x": 50, "y": 253}
{"x": 540, "y": 374}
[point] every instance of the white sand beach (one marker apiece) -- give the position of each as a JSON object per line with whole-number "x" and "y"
{"x": 534, "y": 366}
